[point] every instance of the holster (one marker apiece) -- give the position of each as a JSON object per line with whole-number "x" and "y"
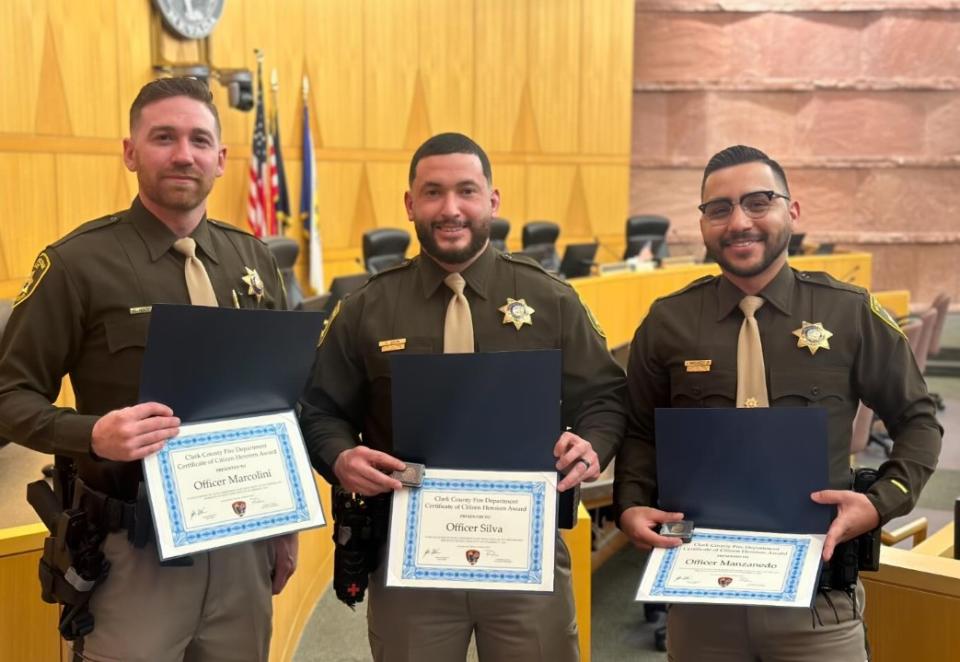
{"x": 359, "y": 530}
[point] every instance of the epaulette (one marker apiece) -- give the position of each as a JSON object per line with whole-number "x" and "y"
{"x": 825, "y": 279}
{"x": 406, "y": 264}
{"x": 234, "y": 228}
{"x": 527, "y": 261}
{"x": 700, "y": 282}
{"x": 89, "y": 226}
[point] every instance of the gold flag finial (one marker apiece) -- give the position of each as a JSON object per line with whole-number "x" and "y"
{"x": 274, "y": 80}
{"x": 259, "y": 54}
{"x": 306, "y": 87}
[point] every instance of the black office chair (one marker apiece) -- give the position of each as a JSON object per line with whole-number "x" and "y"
{"x": 285, "y": 251}
{"x": 539, "y": 240}
{"x": 499, "y": 229}
{"x": 384, "y": 248}
{"x": 795, "y": 247}
{"x": 340, "y": 287}
{"x": 647, "y": 229}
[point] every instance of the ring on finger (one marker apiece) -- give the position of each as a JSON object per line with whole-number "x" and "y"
{"x": 585, "y": 463}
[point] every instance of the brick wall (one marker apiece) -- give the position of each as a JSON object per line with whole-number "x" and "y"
{"x": 859, "y": 100}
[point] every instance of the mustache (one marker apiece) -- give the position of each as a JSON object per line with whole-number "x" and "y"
{"x": 742, "y": 236}
{"x": 436, "y": 225}
{"x": 192, "y": 173}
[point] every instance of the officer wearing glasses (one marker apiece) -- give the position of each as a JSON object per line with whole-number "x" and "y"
{"x": 824, "y": 344}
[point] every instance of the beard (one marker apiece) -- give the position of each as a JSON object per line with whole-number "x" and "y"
{"x": 176, "y": 196}
{"x": 479, "y": 234}
{"x": 773, "y": 246}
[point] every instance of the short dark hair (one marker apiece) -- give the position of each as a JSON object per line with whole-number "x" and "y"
{"x": 738, "y": 155}
{"x": 167, "y": 88}
{"x": 450, "y": 143}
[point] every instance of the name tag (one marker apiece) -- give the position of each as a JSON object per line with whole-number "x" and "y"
{"x": 139, "y": 310}
{"x": 698, "y": 365}
{"x": 393, "y": 345}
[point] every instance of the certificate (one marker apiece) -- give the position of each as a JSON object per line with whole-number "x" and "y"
{"x": 224, "y": 482}
{"x": 493, "y": 530}
{"x": 735, "y": 568}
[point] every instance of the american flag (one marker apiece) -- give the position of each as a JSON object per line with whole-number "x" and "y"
{"x": 260, "y": 213}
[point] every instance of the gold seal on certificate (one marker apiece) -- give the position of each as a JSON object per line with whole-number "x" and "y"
{"x": 493, "y": 530}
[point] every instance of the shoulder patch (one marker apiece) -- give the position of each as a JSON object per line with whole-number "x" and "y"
{"x": 89, "y": 226}
{"x": 593, "y": 320}
{"x": 40, "y": 267}
{"x": 326, "y": 327}
{"x": 884, "y": 316}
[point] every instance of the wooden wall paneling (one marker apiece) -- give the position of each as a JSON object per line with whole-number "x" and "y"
{"x": 334, "y": 59}
{"x": 230, "y": 48}
{"x": 501, "y": 46}
{"x": 88, "y": 187}
{"x": 338, "y": 185}
{"x": 607, "y": 190}
{"x": 29, "y": 211}
{"x": 549, "y": 188}
{"x": 134, "y": 65}
{"x": 22, "y": 31}
{"x": 391, "y": 47}
{"x": 447, "y": 66}
{"x": 388, "y": 183}
{"x": 511, "y": 180}
{"x": 278, "y": 30}
{"x": 87, "y": 64}
{"x": 28, "y": 628}
{"x": 607, "y": 78}
{"x": 555, "y": 72}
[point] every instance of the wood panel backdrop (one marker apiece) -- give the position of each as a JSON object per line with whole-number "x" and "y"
{"x": 543, "y": 85}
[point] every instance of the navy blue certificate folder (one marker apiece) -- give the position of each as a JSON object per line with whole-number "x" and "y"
{"x": 497, "y": 411}
{"x": 744, "y": 469}
{"x": 207, "y": 363}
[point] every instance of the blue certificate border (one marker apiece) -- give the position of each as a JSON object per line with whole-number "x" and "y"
{"x": 182, "y": 537}
{"x": 534, "y": 572}
{"x": 787, "y": 594}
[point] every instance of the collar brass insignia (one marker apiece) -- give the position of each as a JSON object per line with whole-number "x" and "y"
{"x": 813, "y": 336}
{"x": 517, "y": 312}
{"x": 252, "y": 279}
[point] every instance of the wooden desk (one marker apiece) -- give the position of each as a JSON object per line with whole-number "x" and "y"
{"x": 621, "y": 301}
{"x": 913, "y": 605}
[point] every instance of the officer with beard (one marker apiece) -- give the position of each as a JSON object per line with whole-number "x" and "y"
{"x": 513, "y": 304}
{"x": 823, "y": 343}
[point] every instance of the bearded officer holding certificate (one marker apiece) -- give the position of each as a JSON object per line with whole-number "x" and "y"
{"x": 459, "y": 295}
{"x": 763, "y": 334}
{"x": 85, "y": 312}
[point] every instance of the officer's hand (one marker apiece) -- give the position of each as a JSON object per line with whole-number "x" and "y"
{"x": 577, "y": 459}
{"x": 639, "y": 522}
{"x": 365, "y": 471}
{"x": 285, "y": 550}
{"x": 855, "y": 515}
{"x": 132, "y": 433}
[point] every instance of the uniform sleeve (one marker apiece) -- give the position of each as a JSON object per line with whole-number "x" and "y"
{"x": 38, "y": 347}
{"x": 890, "y": 383}
{"x": 648, "y": 387}
{"x": 593, "y": 384}
{"x": 331, "y": 408}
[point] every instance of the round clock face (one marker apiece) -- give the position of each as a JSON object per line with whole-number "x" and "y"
{"x": 191, "y": 19}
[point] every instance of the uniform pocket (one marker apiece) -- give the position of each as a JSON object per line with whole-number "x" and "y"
{"x": 126, "y": 332}
{"x": 717, "y": 388}
{"x": 806, "y": 388}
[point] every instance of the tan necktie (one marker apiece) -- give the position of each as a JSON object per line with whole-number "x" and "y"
{"x": 751, "y": 378}
{"x": 458, "y": 326}
{"x": 198, "y": 282}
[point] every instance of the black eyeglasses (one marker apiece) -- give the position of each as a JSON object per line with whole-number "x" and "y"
{"x": 755, "y": 205}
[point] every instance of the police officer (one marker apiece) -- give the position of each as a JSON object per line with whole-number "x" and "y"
{"x": 822, "y": 343}
{"x": 84, "y": 312}
{"x": 450, "y": 202}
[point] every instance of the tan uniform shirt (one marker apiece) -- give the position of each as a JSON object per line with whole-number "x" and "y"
{"x": 350, "y": 389}
{"x": 85, "y": 313}
{"x": 868, "y": 359}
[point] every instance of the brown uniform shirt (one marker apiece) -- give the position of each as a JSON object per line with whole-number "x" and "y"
{"x": 868, "y": 360}
{"x": 83, "y": 314}
{"x": 349, "y": 393}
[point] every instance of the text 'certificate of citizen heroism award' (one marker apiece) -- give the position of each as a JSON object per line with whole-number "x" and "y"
{"x": 225, "y": 482}
{"x": 493, "y": 530}
{"x": 736, "y": 568}
{"x": 238, "y": 470}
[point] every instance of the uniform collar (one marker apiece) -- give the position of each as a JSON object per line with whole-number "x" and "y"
{"x": 778, "y": 293}
{"x": 477, "y": 274}
{"x": 158, "y": 237}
